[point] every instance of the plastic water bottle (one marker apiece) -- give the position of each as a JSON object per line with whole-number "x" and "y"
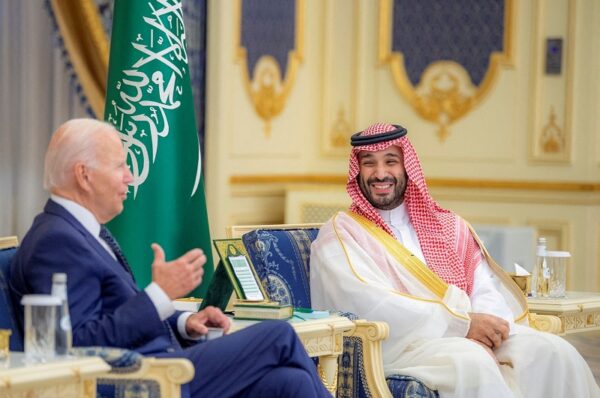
{"x": 63, "y": 333}
{"x": 541, "y": 274}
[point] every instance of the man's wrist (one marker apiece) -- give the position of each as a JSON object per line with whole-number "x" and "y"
{"x": 181, "y": 326}
{"x": 162, "y": 303}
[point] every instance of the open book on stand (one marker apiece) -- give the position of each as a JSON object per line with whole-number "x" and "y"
{"x": 261, "y": 310}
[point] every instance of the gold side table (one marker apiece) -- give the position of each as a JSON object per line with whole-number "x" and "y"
{"x": 64, "y": 378}
{"x": 578, "y": 311}
{"x": 322, "y": 338}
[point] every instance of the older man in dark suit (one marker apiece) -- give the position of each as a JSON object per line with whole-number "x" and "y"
{"x": 86, "y": 174}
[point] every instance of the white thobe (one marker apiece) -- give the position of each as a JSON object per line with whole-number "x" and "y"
{"x": 353, "y": 271}
{"x": 484, "y": 296}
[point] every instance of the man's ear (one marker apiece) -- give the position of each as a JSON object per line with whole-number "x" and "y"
{"x": 82, "y": 176}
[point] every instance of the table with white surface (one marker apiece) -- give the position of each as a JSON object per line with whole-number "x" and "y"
{"x": 578, "y": 311}
{"x": 64, "y": 378}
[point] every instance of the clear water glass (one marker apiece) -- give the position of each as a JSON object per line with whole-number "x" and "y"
{"x": 557, "y": 265}
{"x": 40, "y": 323}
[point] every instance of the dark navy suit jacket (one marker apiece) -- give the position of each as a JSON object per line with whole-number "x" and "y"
{"x": 106, "y": 307}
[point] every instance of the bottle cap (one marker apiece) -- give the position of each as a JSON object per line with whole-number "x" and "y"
{"x": 541, "y": 240}
{"x": 59, "y": 277}
{"x": 44, "y": 300}
{"x": 558, "y": 254}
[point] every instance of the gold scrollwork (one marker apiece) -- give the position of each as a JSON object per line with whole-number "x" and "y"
{"x": 445, "y": 92}
{"x": 552, "y": 139}
{"x": 340, "y": 133}
{"x": 265, "y": 87}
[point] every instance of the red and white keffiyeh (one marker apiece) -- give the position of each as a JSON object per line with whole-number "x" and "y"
{"x": 447, "y": 244}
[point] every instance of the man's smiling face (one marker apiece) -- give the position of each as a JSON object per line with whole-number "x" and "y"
{"x": 382, "y": 177}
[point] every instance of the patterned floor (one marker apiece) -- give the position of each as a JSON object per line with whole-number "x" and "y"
{"x": 588, "y": 345}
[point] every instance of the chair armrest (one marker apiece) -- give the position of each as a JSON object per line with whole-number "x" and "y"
{"x": 371, "y": 335}
{"x": 132, "y": 371}
{"x": 546, "y": 323}
{"x": 167, "y": 373}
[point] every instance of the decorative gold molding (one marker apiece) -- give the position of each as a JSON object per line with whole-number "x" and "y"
{"x": 341, "y": 130}
{"x": 268, "y": 93}
{"x": 546, "y": 323}
{"x": 559, "y": 186}
{"x": 578, "y": 311}
{"x": 445, "y": 92}
{"x": 551, "y": 141}
{"x": 341, "y": 61}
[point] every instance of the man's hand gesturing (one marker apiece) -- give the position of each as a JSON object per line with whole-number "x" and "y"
{"x": 487, "y": 329}
{"x": 180, "y": 276}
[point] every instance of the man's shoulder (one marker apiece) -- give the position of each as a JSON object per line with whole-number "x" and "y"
{"x": 50, "y": 233}
{"x": 47, "y": 225}
{"x": 333, "y": 227}
{"x": 328, "y": 225}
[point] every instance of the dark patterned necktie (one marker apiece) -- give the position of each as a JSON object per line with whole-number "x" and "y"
{"x": 106, "y": 236}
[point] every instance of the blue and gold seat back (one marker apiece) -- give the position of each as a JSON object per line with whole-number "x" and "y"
{"x": 281, "y": 258}
{"x": 7, "y": 314}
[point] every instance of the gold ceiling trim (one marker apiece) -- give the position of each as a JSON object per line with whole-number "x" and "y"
{"x": 433, "y": 100}
{"x": 267, "y": 92}
{"x": 559, "y": 186}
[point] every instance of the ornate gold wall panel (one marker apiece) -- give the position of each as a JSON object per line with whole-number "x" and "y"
{"x": 445, "y": 92}
{"x": 485, "y": 167}
{"x": 340, "y": 75}
{"x": 552, "y": 94}
{"x": 267, "y": 85}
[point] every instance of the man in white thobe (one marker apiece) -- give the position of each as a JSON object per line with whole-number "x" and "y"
{"x": 457, "y": 322}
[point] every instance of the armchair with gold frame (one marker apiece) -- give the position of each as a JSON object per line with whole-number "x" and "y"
{"x": 280, "y": 254}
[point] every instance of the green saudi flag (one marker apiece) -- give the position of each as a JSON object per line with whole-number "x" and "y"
{"x": 149, "y": 100}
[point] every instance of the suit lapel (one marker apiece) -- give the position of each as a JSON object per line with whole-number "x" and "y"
{"x": 59, "y": 211}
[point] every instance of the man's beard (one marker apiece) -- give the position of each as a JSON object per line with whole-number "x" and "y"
{"x": 383, "y": 202}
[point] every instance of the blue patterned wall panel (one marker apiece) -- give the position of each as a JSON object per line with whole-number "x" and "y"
{"x": 269, "y": 47}
{"x": 464, "y": 31}
{"x": 445, "y": 55}
{"x": 268, "y": 28}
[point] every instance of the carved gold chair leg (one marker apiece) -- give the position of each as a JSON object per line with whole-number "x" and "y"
{"x": 328, "y": 372}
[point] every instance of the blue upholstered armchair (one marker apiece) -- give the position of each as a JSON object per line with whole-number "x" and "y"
{"x": 132, "y": 375}
{"x": 280, "y": 254}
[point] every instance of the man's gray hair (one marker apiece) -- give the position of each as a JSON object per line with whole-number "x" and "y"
{"x": 74, "y": 141}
